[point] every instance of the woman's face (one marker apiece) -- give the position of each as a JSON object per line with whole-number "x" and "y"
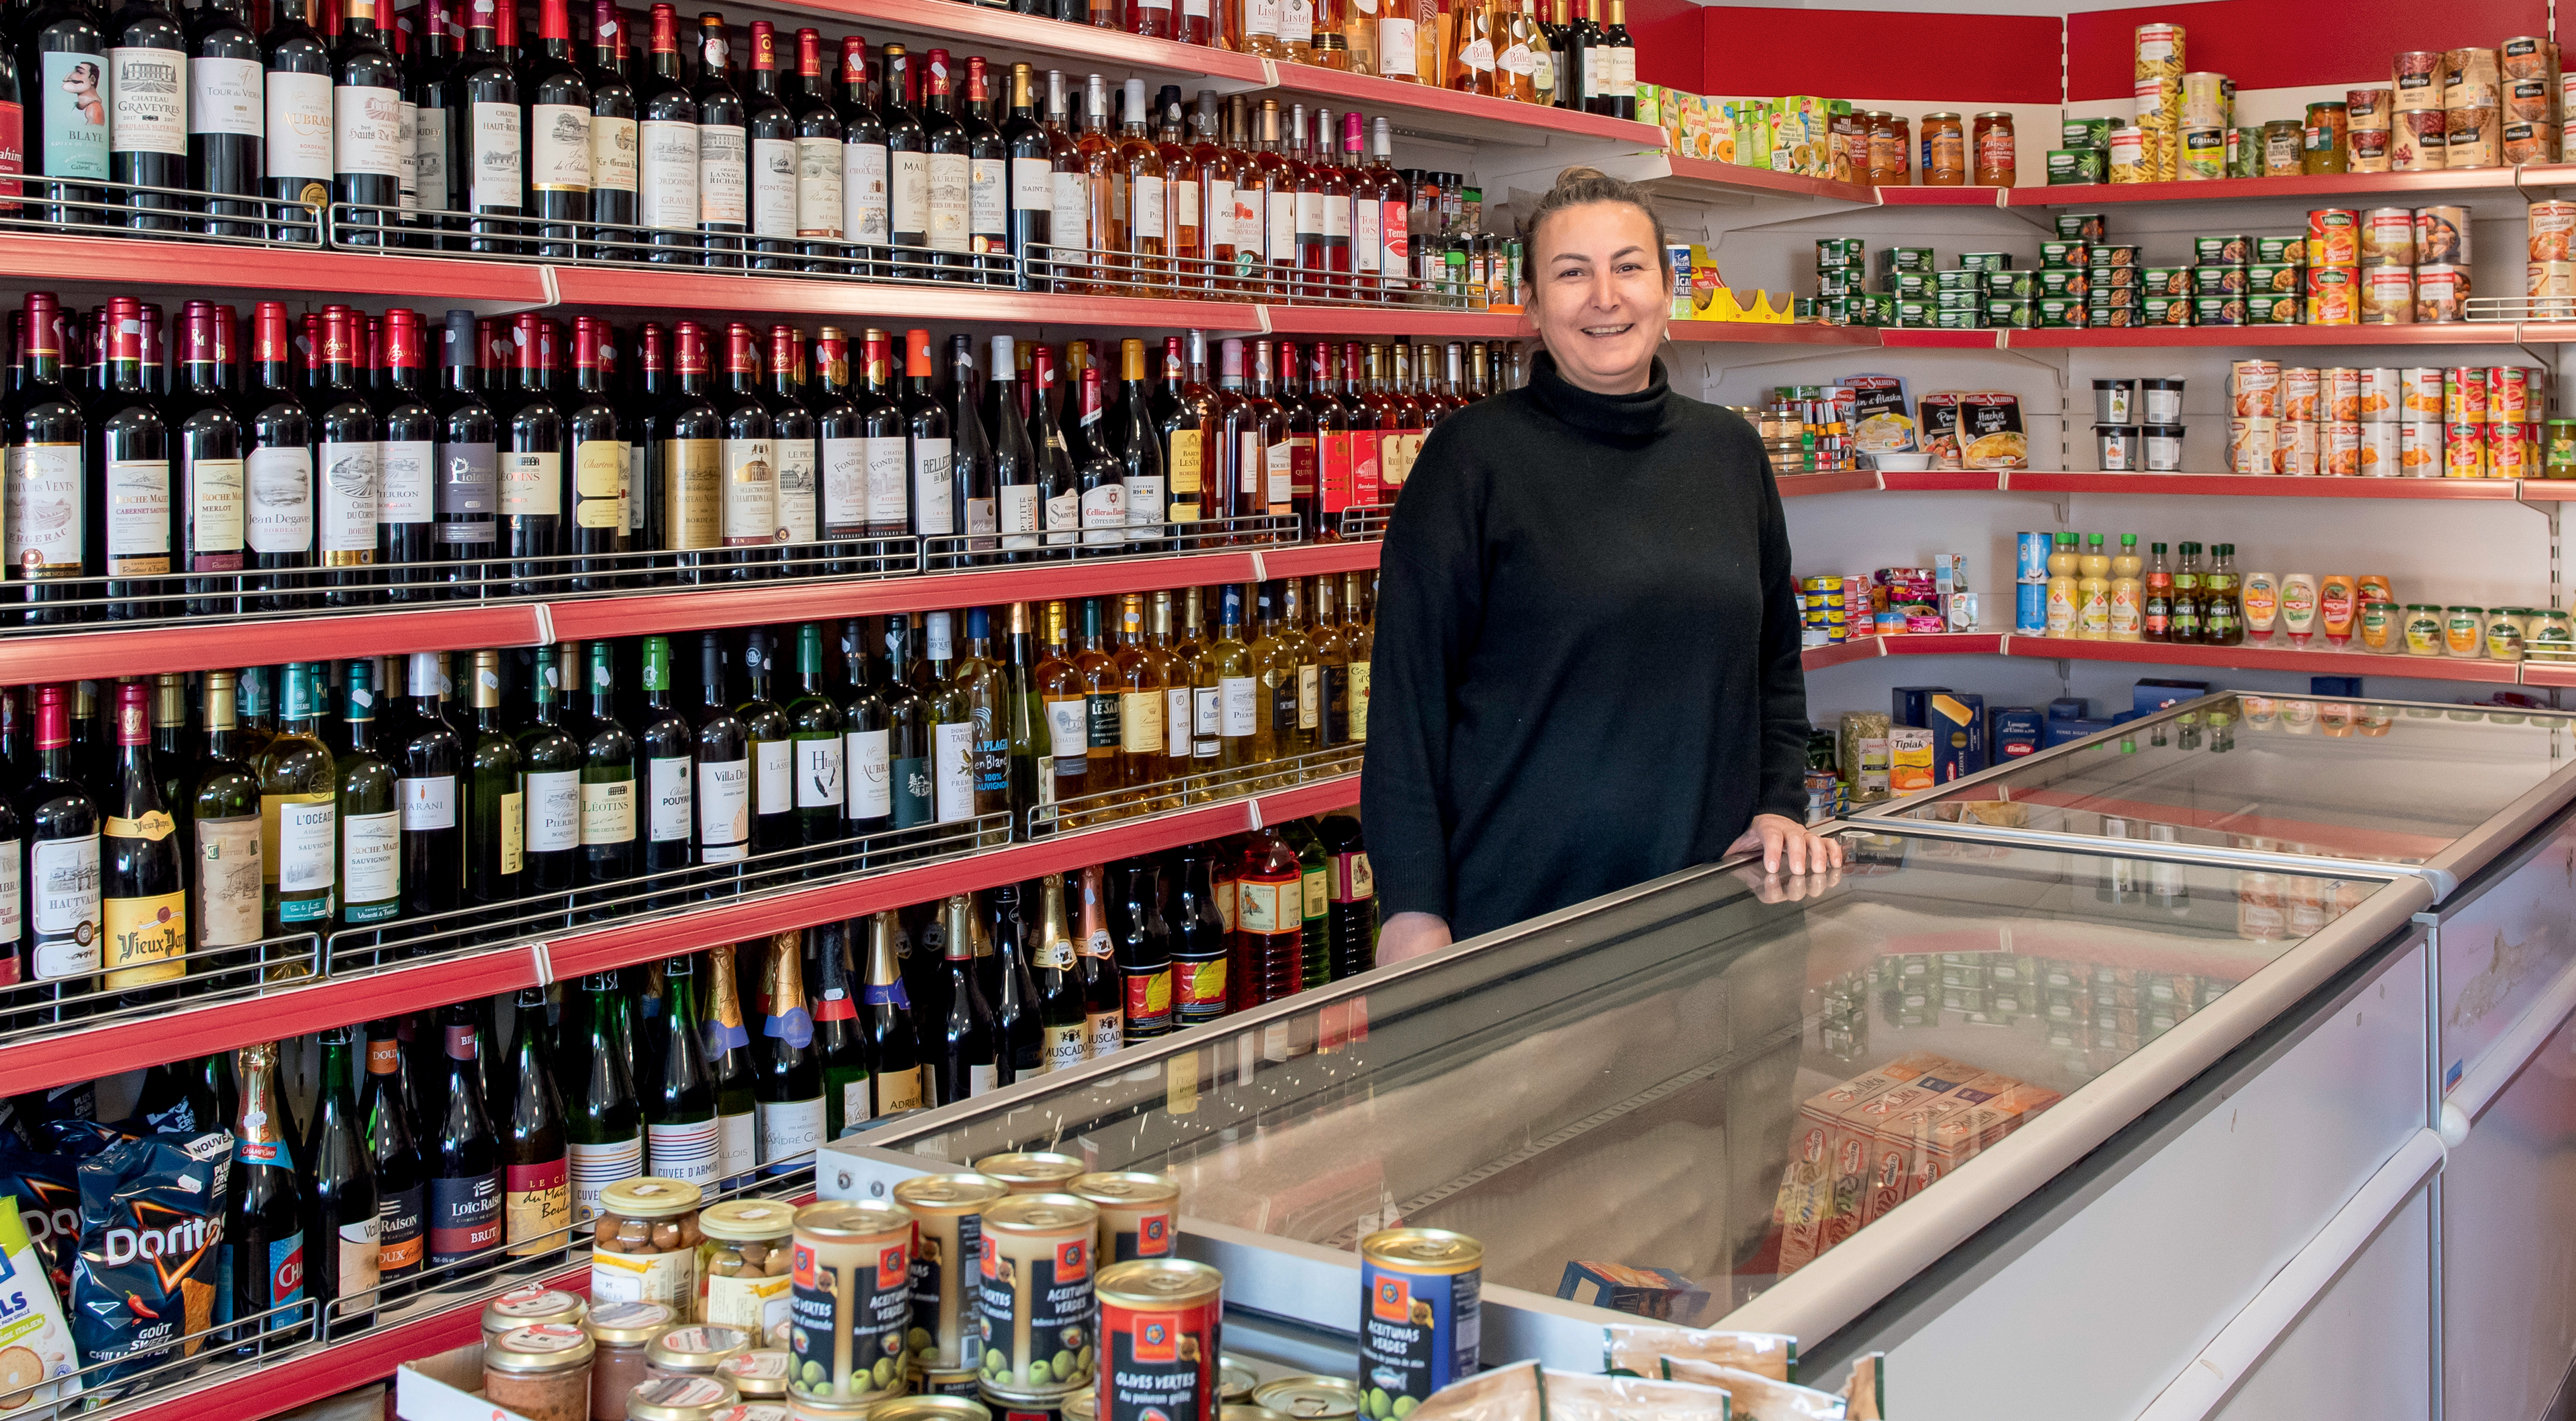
{"x": 1598, "y": 297}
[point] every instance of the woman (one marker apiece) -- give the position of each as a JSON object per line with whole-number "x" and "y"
{"x": 1586, "y": 672}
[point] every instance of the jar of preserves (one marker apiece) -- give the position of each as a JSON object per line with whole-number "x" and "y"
{"x": 698, "y": 1350}
{"x": 2284, "y": 148}
{"x": 1891, "y": 149}
{"x": 680, "y": 1399}
{"x": 622, "y": 1332}
{"x": 523, "y": 1307}
{"x": 2558, "y": 453}
{"x": 541, "y": 1371}
{"x": 1945, "y": 150}
{"x": 2324, "y": 141}
{"x": 1995, "y": 154}
{"x": 743, "y": 1263}
{"x": 647, "y": 1246}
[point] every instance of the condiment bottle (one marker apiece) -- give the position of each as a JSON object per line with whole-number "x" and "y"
{"x": 2093, "y": 592}
{"x": 2335, "y": 606}
{"x": 2299, "y": 607}
{"x": 2127, "y": 594}
{"x": 2061, "y": 587}
{"x": 2157, "y": 622}
{"x": 2221, "y": 624}
{"x": 2261, "y": 601}
{"x": 2186, "y": 595}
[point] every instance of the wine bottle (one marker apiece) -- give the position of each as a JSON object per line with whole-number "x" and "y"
{"x": 1141, "y": 941}
{"x": 729, "y": 1072}
{"x": 1199, "y": 946}
{"x": 773, "y": 749}
{"x": 393, "y": 1156}
{"x": 840, "y": 458}
{"x": 532, "y": 461}
{"x": 143, "y": 895}
{"x": 821, "y": 205}
{"x": 908, "y": 741}
{"x": 820, "y": 755}
{"x": 608, "y": 838}
{"x": 370, "y": 808}
{"x": 1350, "y": 925}
{"x": 840, "y": 1039}
{"x": 63, "y": 58}
{"x": 490, "y": 183}
{"x": 135, "y": 518}
{"x": 495, "y": 823}
{"x": 970, "y": 458}
{"x": 793, "y": 456}
{"x": 967, "y": 1061}
{"x": 406, "y": 461}
{"x": 613, "y": 138}
{"x": 666, "y": 743}
{"x": 427, "y": 760}
{"x": 987, "y": 182}
{"x": 771, "y": 132}
{"x": 787, "y": 1087}
{"x": 934, "y": 502}
{"x": 465, "y": 1180}
{"x": 224, "y": 825}
{"x": 598, "y": 449}
{"x": 667, "y": 121}
{"x": 1269, "y": 917}
{"x": 148, "y": 139}
{"x": 47, "y": 438}
{"x": 899, "y": 1083}
{"x": 557, "y": 156}
{"x": 1028, "y": 147}
{"x": 209, "y": 441}
{"x": 749, "y": 461}
{"x": 724, "y": 787}
{"x": 684, "y": 475}
{"x": 344, "y": 1217}
{"x": 299, "y": 819}
{"x": 346, "y": 449}
{"x": 681, "y": 1136}
{"x": 885, "y": 442}
{"x": 367, "y": 141}
{"x": 724, "y": 155}
{"x": 1019, "y": 1031}
{"x": 226, "y": 109}
{"x": 603, "y": 1126}
{"x": 536, "y": 1189}
{"x": 468, "y": 457}
{"x": 1314, "y": 876}
{"x": 865, "y": 194}
{"x": 550, "y": 781}
{"x": 263, "y": 1231}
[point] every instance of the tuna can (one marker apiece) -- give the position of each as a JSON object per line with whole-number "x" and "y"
{"x": 2388, "y": 236}
{"x": 1420, "y": 1292}
{"x": 2387, "y": 296}
{"x": 2464, "y": 394}
{"x": 2551, "y": 225}
{"x": 2509, "y": 451}
{"x": 2379, "y": 451}
{"x": 948, "y": 1241}
{"x": 2508, "y": 395}
{"x": 1032, "y": 1171}
{"x": 2415, "y": 141}
{"x": 1034, "y": 1295}
{"x": 2419, "y": 449}
{"x": 2253, "y": 389}
{"x": 2334, "y": 296}
{"x": 2464, "y": 451}
{"x": 2116, "y": 445}
{"x": 2338, "y": 393}
{"x": 2442, "y": 236}
{"x": 2339, "y": 446}
{"x": 2380, "y": 394}
{"x": 1140, "y": 1212}
{"x": 2299, "y": 386}
{"x": 851, "y": 1310}
{"x": 1160, "y": 1321}
{"x": 2250, "y": 445}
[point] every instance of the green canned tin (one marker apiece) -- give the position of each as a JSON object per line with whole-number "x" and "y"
{"x": 2092, "y": 133}
{"x": 1841, "y": 252}
{"x": 2165, "y": 280}
{"x": 2233, "y": 249}
{"x": 2060, "y": 313}
{"x": 1891, "y": 259}
{"x": 2064, "y": 253}
{"x": 2081, "y": 226}
{"x": 2062, "y": 281}
{"x": 1958, "y": 320}
{"x": 2166, "y": 311}
{"x": 2010, "y": 283}
{"x": 1986, "y": 261}
{"x": 2275, "y": 308}
{"x": 2291, "y": 248}
{"x": 1909, "y": 283}
{"x": 1955, "y": 279}
{"x": 2078, "y": 167}
{"x": 2281, "y": 277}
{"x": 2218, "y": 281}
{"x": 2016, "y": 311}
{"x": 1837, "y": 280}
{"x": 2218, "y": 310}
{"x": 1913, "y": 310}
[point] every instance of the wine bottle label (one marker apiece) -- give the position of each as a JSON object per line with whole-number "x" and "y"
{"x": 1149, "y": 1002}
{"x": 724, "y": 810}
{"x": 371, "y": 865}
{"x": 466, "y": 483}
{"x": 982, "y": 1080}
{"x": 667, "y": 781}
{"x": 751, "y": 493}
{"x": 496, "y": 178}
{"x": 952, "y": 752}
{"x": 146, "y": 937}
{"x": 228, "y": 881}
{"x": 1104, "y": 515}
{"x": 406, "y": 480}
{"x": 737, "y": 1145}
{"x": 428, "y": 803}
{"x": 1269, "y": 906}
{"x": 793, "y": 515}
{"x": 1068, "y": 735}
{"x": 946, "y": 179}
{"x": 1063, "y": 517}
{"x": 845, "y": 486}
{"x": 1144, "y": 498}
{"x": 1219, "y": 225}
{"x": 1623, "y": 72}
{"x": 1140, "y": 722}
{"x": 514, "y": 834}
{"x": 773, "y": 187}
{"x": 12, "y": 897}
{"x": 724, "y": 175}
{"x": 558, "y": 146}
{"x": 686, "y": 1152}
{"x": 667, "y": 191}
{"x": 612, "y": 154}
{"x": 536, "y": 1207}
{"x": 1477, "y": 53}
{"x": 1032, "y": 185}
{"x": 896, "y": 1092}
{"x": 214, "y": 514}
{"x": 818, "y": 772}
{"x": 1279, "y": 474}
{"x": 1309, "y": 697}
{"x": 1282, "y": 246}
{"x": 864, "y": 194}
{"x": 1514, "y": 60}
{"x": 1062, "y": 1047}
{"x": 400, "y": 1241}
{"x": 1176, "y": 725}
{"x": 692, "y": 493}
{"x": 988, "y": 201}
{"x": 1225, "y": 903}
{"x": 856, "y": 1099}
{"x": 367, "y": 130}
{"x": 1069, "y": 230}
{"x": 789, "y": 1133}
{"x": 1399, "y": 242}
{"x": 1199, "y": 989}
{"x": 1147, "y": 218}
{"x": 1100, "y": 722}
{"x": 224, "y": 96}
{"x": 532, "y": 484}
{"x": 773, "y": 781}
{"x": 349, "y": 483}
{"x": 1107, "y": 1030}
{"x": 429, "y": 157}
{"x": 1207, "y": 718}
{"x": 817, "y": 183}
{"x": 554, "y": 811}
{"x": 138, "y": 515}
{"x": 360, "y": 1259}
{"x": 1184, "y": 199}
{"x": 598, "y": 473}
{"x": 464, "y": 1217}
{"x": 934, "y": 508}
{"x": 1310, "y": 894}
{"x": 607, "y": 813}
{"x": 882, "y": 459}
{"x": 1366, "y": 249}
{"x": 299, "y": 835}
{"x": 75, "y": 116}
{"x": 595, "y": 1167}
{"x": 1310, "y": 215}
{"x": 47, "y": 506}
{"x": 871, "y": 786}
{"x": 1261, "y": 18}
{"x": 1016, "y": 515}
{"x": 1239, "y": 698}
{"x": 1359, "y": 701}
{"x": 297, "y": 126}
{"x": 912, "y": 794}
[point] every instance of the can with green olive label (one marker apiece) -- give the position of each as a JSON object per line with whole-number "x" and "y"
{"x": 948, "y": 1240}
{"x": 851, "y": 1300}
{"x": 1034, "y": 1295}
{"x": 1420, "y": 1298}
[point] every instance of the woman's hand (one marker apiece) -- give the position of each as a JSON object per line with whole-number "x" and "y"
{"x": 1410, "y": 935}
{"x": 1786, "y": 843}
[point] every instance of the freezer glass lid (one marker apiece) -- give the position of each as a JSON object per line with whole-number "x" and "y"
{"x": 1686, "y": 1090}
{"x": 2391, "y": 782}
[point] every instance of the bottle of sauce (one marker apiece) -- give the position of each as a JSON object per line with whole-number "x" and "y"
{"x": 2156, "y": 621}
{"x": 2260, "y": 598}
{"x": 2093, "y": 592}
{"x": 2221, "y": 622}
{"x": 2128, "y": 594}
{"x": 2061, "y": 587}
{"x": 2186, "y": 595}
{"x": 2336, "y": 604}
{"x": 2299, "y": 607}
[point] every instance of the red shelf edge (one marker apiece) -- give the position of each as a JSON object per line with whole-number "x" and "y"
{"x": 1944, "y": 196}
{"x": 2303, "y": 187}
{"x": 2323, "y": 663}
{"x": 1808, "y": 485}
{"x": 1736, "y": 177}
{"x": 102, "y": 1051}
{"x": 2267, "y": 486}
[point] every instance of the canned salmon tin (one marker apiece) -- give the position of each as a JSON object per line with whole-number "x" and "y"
{"x": 2464, "y": 451}
{"x": 850, "y": 1311}
{"x": 2339, "y": 393}
{"x": 2508, "y": 395}
{"x": 1420, "y": 1294}
{"x": 2388, "y": 236}
{"x": 2299, "y": 389}
{"x": 2419, "y": 449}
{"x": 2464, "y": 394}
{"x": 2334, "y": 236}
{"x": 2442, "y": 236}
{"x": 1160, "y": 1321}
{"x": 2509, "y": 451}
{"x": 948, "y": 1243}
{"x": 2334, "y": 296}
{"x": 1140, "y": 1212}
{"x": 1034, "y": 1296}
{"x": 2380, "y": 455}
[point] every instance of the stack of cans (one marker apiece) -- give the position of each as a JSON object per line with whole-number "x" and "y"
{"x": 1827, "y": 614}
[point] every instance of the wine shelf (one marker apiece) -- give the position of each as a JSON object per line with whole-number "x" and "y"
{"x": 2190, "y": 485}
{"x": 2233, "y": 658}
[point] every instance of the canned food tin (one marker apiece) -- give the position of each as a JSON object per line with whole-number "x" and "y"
{"x": 2204, "y": 154}
{"x": 2527, "y": 57}
{"x": 2420, "y": 394}
{"x": 2387, "y": 296}
{"x": 2230, "y": 249}
{"x": 2112, "y": 285}
{"x": 816, "y": 1408}
{"x": 2060, "y": 313}
{"x": 2442, "y": 235}
{"x": 2253, "y": 386}
{"x": 2508, "y": 451}
{"x": 2066, "y": 281}
{"x": 2369, "y": 150}
{"x": 2508, "y": 394}
{"x": 1160, "y": 1326}
{"x": 1841, "y": 252}
{"x": 2528, "y": 141}
{"x": 763, "y": 1375}
{"x": 2217, "y": 281}
{"x": 948, "y": 1243}
{"x": 2464, "y": 451}
{"x": 2532, "y": 100}
{"x": 1820, "y": 582}
{"x": 2381, "y": 394}
{"x": 2339, "y": 443}
{"x": 2552, "y": 287}
{"x": 1985, "y": 261}
{"x": 1032, "y": 1171}
{"x": 1236, "y": 1379}
{"x": 2423, "y": 629}
{"x": 2065, "y": 252}
{"x": 2464, "y": 394}
{"x": 2127, "y": 156}
{"x": 2251, "y": 444}
{"x": 2472, "y": 136}
{"x": 941, "y": 1406}
{"x": 2339, "y": 392}
{"x": 2552, "y": 227}
{"x": 2275, "y": 278}
{"x": 2379, "y": 450}
{"x": 2030, "y": 557}
{"x": 2167, "y": 310}
{"x": 2218, "y": 310}
{"x": 2419, "y": 449}
{"x": 851, "y": 1313}
{"x": 2030, "y": 608}
{"x": 2464, "y": 631}
{"x": 2441, "y": 294}
{"x": 2296, "y": 451}
{"x": 2289, "y": 248}
{"x": 2110, "y": 315}
{"x": 1420, "y": 1294}
{"x": 2079, "y": 167}
{"x": 2010, "y": 283}
{"x": 2081, "y": 226}
{"x": 2006, "y": 312}
{"x": 2084, "y": 132}
{"x": 2415, "y": 140}
{"x": 2114, "y": 254}
{"x": 1035, "y": 1295}
{"x": 1140, "y": 1211}
{"x": 2334, "y": 236}
{"x": 2334, "y": 297}
{"x": 1325, "y": 1398}
{"x": 2300, "y": 386}
{"x": 2388, "y": 237}
{"x": 2275, "y": 308}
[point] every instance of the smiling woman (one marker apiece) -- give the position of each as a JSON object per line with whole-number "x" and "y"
{"x": 1586, "y": 672}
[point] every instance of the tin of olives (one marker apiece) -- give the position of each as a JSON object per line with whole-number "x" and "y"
{"x": 1324, "y": 1397}
{"x": 1161, "y": 1320}
{"x": 2230, "y": 249}
{"x": 680, "y": 1399}
{"x": 850, "y": 1307}
{"x": 1420, "y": 1297}
{"x": 2065, "y": 254}
{"x": 2081, "y": 226}
{"x": 1032, "y": 1171}
{"x": 948, "y": 1243}
{"x": 1034, "y": 1295}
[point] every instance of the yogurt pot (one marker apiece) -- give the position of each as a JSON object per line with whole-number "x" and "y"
{"x": 2163, "y": 443}
{"x": 2163, "y": 401}
{"x": 2115, "y": 402}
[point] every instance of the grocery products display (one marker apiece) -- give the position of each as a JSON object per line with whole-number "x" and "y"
{"x": 2461, "y": 422}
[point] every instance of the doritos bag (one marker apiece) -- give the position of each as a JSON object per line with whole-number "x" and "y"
{"x": 152, "y": 1215}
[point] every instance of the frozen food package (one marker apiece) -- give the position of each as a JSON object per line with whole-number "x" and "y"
{"x": 1757, "y": 1397}
{"x": 152, "y": 1215}
{"x": 46, "y": 1189}
{"x": 1882, "y": 422}
{"x": 1503, "y": 1394}
{"x": 1581, "y": 1396}
{"x": 1637, "y": 1347}
{"x": 1865, "y": 1390}
{"x": 35, "y": 1346}
{"x": 1939, "y": 432}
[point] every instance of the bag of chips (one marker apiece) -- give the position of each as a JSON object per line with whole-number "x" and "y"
{"x": 46, "y": 1189}
{"x": 152, "y": 1216}
{"x": 35, "y": 1346}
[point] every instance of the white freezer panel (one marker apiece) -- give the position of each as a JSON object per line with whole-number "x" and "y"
{"x": 2363, "y": 1352}
{"x": 2509, "y": 1246}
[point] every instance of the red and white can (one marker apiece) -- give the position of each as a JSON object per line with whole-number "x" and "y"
{"x": 2381, "y": 394}
{"x": 2295, "y": 448}
{"x": 2340, "y": 386}
{"x": 2508, "y": 450}
{"x": 2334, "y": 236}
{"x": 2339, "y": 441}
{"x": 2419, "y": 449}
{"x": 2464, "y": 451}
{"x": 2251, "y": 445}
{"x": 2464, "y": 394}
{"x": 1161, "y": 1321}
{"x": 2254, "y": 388}
{"x": 2299, "y": 393}
{"x": 2441, "y": 294}
{"x": 2380, "y": 455}
{"x": 2387, "y": 295}
{"x": 2334, "y": 295}
{"x": 2423, "y": 392}
{"x": 2388, "y": 236}
{"x": 2508, "y": 395}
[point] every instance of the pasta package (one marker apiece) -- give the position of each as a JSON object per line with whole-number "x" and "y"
{"x": 1757, "y": 1397}
{"x": 1641, "y": 1347}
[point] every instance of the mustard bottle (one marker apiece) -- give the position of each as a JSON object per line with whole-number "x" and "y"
{"x": 2093, "y": 592}
{"x": 2128, "y": 593}
{"x": 2061, "y": 587}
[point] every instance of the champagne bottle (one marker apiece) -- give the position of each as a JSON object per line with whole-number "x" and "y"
{"x": 537, "y": 1192}
{"x": 1104, "y": 996}
{"x": 897, "y": 1085}
{"x": 143, "y": 896}
{"x": 263, "y": 1236}
{"x": 1064, "y": 1035}
{"x": 839, "y": 1039}
{"x": 787, "y": 1090}
{"x": 680, "y": 1130}
{"x": 298, "y": 807}
{"x": 603, "y": 1126}
{"x": 465, "y": 1180}
{"x": 729, "y": 1072}
{"x": 343, "y": 1216}
{"x": 369, "y": 808}
{"x": 1019, "y": 1039}
{"x": 393, "y": 1153}
{"x": 967, "y": 1065}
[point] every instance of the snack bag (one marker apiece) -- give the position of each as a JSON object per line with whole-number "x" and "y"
{"x": 46, "y": 1190}
{"x": 152, "y": 1215}
{"x": 1757, "y": 1397}
{"x": 35, "y": 1346}
{"x": 1641, "y": 1347}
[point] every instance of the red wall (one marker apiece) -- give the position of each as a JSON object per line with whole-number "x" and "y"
{"x": 1876, "y": 54}
{"x": 2276, "y": 44}
{"x": 1667, "y": 36}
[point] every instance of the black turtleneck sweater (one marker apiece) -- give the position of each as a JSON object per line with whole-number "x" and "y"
{"x": 1586, "y": 673}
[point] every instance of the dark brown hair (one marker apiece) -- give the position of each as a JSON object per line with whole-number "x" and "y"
{"x": 1577, "y": 187}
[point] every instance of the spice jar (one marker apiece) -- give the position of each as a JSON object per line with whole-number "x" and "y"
{"x": 1033, "y": 1171}
{"x": 647, "y": 1246}
{"x": 743, "y": 1263}
{"x": 1996, "y": 159}
{"x": 694, "y": 1351}
{"x": 680, "y": 1399}
{"x": 540, "y": 1371}
{"x": 622, "y": 1332}
{"x": 1945, "y": 150}
{"x": 759, "y": 1375}
{"x": 523, "y": 1307}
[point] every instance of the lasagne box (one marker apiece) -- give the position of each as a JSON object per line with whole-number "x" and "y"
{"x": 1830, "y": 1209}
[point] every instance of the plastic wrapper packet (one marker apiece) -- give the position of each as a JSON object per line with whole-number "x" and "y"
{"x": 1865, "y": 1391}
{"x": 1640, "y": 1348}
{"x": 35, "y": 1345}
{"x": 1503, "y": 1394}
{"x": 1757, "y": 1397}
{"x": 151, "y": 1222}
{"x": 1578, "y": 1396}
{"x": 46, "y": 1189}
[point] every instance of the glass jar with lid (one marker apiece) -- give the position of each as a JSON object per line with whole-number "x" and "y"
{"x": 680, "y": 1399}
{"x": 647, "y": 1245}
{"x": 2550, "y": 635}
{"x": 743, "y": 1261}
{"x": 521, "y": 1307}
{"x": 1993, "y": 156}
{"x": 1945, "y": 150}
{"x": 1891, "y": 149}
{"x": 697, "y": 1350}
{"x": 801, "y": 1407}
{"x": 758, "y": 1375}
{"x": 541, "y": 1371}
{"x": 623, "y": 1332}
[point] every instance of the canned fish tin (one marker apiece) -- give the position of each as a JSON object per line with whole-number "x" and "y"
{"x": 2291, "y": 249}
{"x": 2419, "y": 449}
{"x": 2464, "y": 394}
{"x": 1160, "y": 1321}
{"x": 2423, "y": 629}
{"x": 851, "y": 1312}
{"x": 1420, "y": 1292}
{"x": 2065, "y": 253}
{"x": 1140, "y": 1212}
{"x": 2380, "y": 395}
{"x": 2334, "y": 296}
{"x": 2441, "y": 294}
{"x": 948, "y": 1243}
{"x": 2388, "y": 236}
{"x": 2218, "y": 310}
{"x": 2080, "y": 226}
{"x": 1034, "y": 1296}
{"x": 2218, "y": 281}
{"x": 2464, "y": 631}
{"x": 2380, "y": 455}
{"x": 1032, "y": 1171}
{"x": 1324, "y": 1398}
{"x": 2224, "y": 250}
{"x": 2508, "y": 394}
{"x": 2464, "y": 451}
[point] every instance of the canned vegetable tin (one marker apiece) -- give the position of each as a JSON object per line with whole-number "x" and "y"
{"x": 1325, "y": 1398}
{"x": 1139, "y": 1211}
{"x": 1160, "y": 1321}
{"x": 1420, "y": 1296}
{"x": 1034, "y": 1296}
{"x": 852, "y": 1305}
{"x": 948, "y": 1240}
